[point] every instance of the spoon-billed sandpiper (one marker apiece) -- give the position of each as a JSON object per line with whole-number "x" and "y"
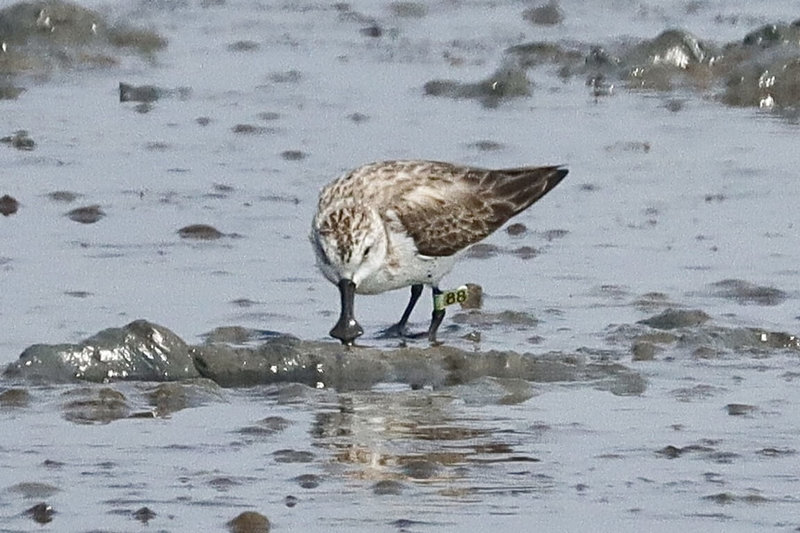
{"x": 395, "y": 224}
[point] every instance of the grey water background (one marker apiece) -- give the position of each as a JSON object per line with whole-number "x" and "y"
{"x": 674, "y": 200}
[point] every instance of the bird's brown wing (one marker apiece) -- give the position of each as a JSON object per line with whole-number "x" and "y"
{"x": 446, "y": 214}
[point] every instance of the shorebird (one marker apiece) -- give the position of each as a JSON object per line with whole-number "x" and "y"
{"x": 395, "y": 224}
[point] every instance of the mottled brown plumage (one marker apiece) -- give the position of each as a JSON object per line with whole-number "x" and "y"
{"x": 444, "y": 207}
{"x": 392, "y": 224}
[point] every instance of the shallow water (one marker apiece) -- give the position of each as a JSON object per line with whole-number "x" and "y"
{"x": 670, "y": 196}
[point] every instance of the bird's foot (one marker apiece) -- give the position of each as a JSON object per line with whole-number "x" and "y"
{"x": 398, "y": 331}
{"x": 402, "y": 332}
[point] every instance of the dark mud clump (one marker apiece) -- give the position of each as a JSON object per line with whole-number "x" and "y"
{"x": 248, "y": 129}
{"x": 243, "y": 46}
{"x": 144, "y": 514}
{"x": 202, "y": 232}
{"x": 652, "y": 301}
{"x": 553, "y": 234}
{"x": 761, "y": 70}
{"x": 95, "y": 406}
{"x": 171, "y": 397}
{"x": 549, "y": 14}
{"x": 293, "y": 155}
{"x": 10, "y": 92}
{"x": 741, "y": 409}
{"x": 39, "y": 36}
{"x": 266, "y": 427}
{"x": 140, "y": 351}
{"x": 644, "y": 351}
{"x": 34, "y": 490}
{"x": 474, "y": 297}
{"x": 41, "y": 513}
{"x": 516, "y": 229}
{"x": 745, "y": 292}
{"x": 486, "y": 145}
{"x": 8, "y": 205}
{"x": 15, "y": 397}
{"x": 249, "y": 522}
{"x": 143, "y": 351}
{"x": 525, "y": 252}
{"x": 148, "y": 94}
{"x": 19, "y": 140}
{"x": 308, "y": 481}
{"x": 63, "y": 196}
{"x": 691, "y": 332}
{"x": 388, "y": 487}
{"x": 482, "y": 319}
{"x": 676, "y": 318}
{"x": 142, "y": 93}
{"x": 505, "y": 83}
{"x": 416, "y": 10}
{"x": 86, "y": 215}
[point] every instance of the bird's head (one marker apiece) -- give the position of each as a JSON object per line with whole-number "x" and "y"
{"x": 350, "y": 242}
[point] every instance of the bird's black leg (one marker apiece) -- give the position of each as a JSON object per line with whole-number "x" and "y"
{"x": 436, "y": 318}
{"x": 400, "y": 329}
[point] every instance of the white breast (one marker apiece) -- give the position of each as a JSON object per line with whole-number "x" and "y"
{"x": 404, "y": 266}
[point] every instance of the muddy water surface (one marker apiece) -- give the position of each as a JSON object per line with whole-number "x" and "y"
{"x": 633, "y": 364}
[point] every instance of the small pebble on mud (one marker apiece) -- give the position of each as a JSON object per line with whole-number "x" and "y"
{"x": 643, "y": 351}
{"x": 408, "y": 9}
{"x": 388, "y": 487}
{"x": 293, "y": 456}
{"x": 289, "y": 76}
{"x": 525, "y": 252}
{"x": 421, "y": 469}
{"x": 676, "y": 318}
{"x": 86, "y": 215}
{"x": 248, "y": 129}
{"x": 15, "y": 398}
{"x": 372, "y": 30}
{"x": 95, "y": 406}
{"x": 740, "y": 409}
{"x": 8, "y": 205}
{"x": 553, "y": 234}
{"x": 486, "y": 146}
{"x": 243, "y": 46}
{"x": 745, "y": 292}
{"x": 10, "y": 92}
{"x": 200, "y": 232}
{"x": 548, "y": 14}
{"x": 144, "y": 515}
{"x": 293, "y": 155}
{"x": 357, "y": 117}
{"x": 20, "y": 140}
{"x": 249, "y": 522}
{"x": 63, "y": 196}
{"x": 474, "y": 297}
{"x": 516, "y": 229}
{"x": 142, "y": 93}
{"x": 34, "y": 489}
{"x": 308, "y": 481}
{"x": 41, "y": 513}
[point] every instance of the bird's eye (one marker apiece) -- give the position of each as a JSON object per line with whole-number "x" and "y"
{"x": 366, "y": 251}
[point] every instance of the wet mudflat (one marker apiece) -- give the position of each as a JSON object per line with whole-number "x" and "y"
{"x": 633, "y": 364}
